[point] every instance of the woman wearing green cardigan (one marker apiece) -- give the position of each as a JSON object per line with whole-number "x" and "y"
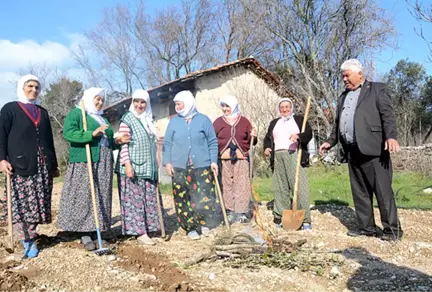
{"x": 76, "y": 213}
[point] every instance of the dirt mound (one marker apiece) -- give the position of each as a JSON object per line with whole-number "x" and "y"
{"x": 11, "y": 281}
{"x": 157, "y": 271}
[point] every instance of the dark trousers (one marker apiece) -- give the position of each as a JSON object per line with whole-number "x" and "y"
{"x": 369, "y": 175}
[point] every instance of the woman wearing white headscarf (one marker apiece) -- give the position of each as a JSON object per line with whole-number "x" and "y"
{"x": 137, "y": 170}
{"x": 281, "y": 143}
{"x": 234, "y": 133}
{"x": 75, "y": 212}
{"x": 27, "y": 154}
{"x": 190, "y": 153}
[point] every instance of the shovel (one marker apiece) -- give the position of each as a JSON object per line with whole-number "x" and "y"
{"x": 293, "y": 219}
{"x": 9, "y": 249}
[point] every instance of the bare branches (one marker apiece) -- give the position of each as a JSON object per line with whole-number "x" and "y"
{"x": 423, "y": 14}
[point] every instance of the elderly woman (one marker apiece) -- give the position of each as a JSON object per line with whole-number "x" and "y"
{"x": 281, "y": 143}
{"x": 234, "y": 133}
{"x": 31, "y": 163}
{"x": 190, "y": 153}
{"x": 75, "y": 213}
{"x": 137, "y": 170}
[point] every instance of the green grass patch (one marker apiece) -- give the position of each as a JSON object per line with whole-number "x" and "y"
{"x": 330, "y": 185}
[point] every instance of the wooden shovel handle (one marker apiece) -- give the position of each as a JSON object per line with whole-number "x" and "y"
{"x": 299, "y": 155}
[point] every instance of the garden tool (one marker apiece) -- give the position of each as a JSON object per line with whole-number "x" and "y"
{"x": 159, "y": 206}
{"x": 293, "y": 219}
{"x": 9, "y": 249}
{"x": 219, "y": 193}
{"x": 100, "y": 250}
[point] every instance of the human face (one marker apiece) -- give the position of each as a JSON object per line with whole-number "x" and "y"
{"x": 179, "y": 105}
{"x": 139, "y": 105}
{"x": 285, "y": 108}
{"x": 226, "y": 109}
{"x": 31, "y": 90}
{"x": 99, "y": 102}
{"x": 352, "y": 79}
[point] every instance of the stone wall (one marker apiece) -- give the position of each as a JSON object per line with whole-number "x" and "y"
{"x": 414, "y": 158}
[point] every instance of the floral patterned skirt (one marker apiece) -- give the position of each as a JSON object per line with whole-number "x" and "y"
{"x": 195, "y": 198}
{"x": 138, "y": 205}
{"x": 31, "y": 200}
{"x": 76, "y": 208}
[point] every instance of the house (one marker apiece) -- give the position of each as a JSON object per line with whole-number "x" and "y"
{"x": 256, "y": 88}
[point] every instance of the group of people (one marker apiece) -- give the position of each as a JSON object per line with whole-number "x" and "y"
{"x": 195, "y": 153}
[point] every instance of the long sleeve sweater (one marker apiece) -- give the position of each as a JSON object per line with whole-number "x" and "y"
{"x": 73, "y": 131}
{"x": 197, "y": 139}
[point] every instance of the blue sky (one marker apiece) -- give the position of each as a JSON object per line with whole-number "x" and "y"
{"x": 49, "y": 28}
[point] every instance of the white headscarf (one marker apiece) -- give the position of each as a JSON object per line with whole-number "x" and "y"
{"x": 232, "y": 102}
{"x": 188, "y": 99}
{"x": 20, "y": 89}
{"x": 292, "y": 108}
{"x": 146, "y": 116}
{"x": 90, "y": 108}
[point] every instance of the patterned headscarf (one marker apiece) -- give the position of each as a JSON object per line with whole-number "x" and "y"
{"x": 285, "y": 99}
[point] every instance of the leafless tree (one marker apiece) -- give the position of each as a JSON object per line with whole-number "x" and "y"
{"x": 316, "y": 37}
{"x": 422, "y": 13}
{"x": 175, "y": 39}
{"x": 109, "y": 53}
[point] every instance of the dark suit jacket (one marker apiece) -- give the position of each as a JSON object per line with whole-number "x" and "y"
{"x": 374, "y": 119}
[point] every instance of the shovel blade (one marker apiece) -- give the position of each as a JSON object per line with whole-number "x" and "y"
{"x": 292, "y": 220}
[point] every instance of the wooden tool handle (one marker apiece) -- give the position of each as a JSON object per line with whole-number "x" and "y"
{"x": 158, "y": 201}
{"x": 89, "y": 168}
{"x": 299, "y": 155}
{"x": 9, "y": 206}
{"x": 219, "y": 193}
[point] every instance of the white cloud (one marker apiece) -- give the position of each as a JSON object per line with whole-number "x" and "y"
{"x": 15, "y": 55}
{"x": 18, "y": 56}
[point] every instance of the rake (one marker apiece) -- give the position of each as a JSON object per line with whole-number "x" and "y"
{"x": 101, "y": 250}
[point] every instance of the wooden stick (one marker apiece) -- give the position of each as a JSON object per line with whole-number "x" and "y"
{"x": 9, "y": 206}
{"x": 90, "y": 168}
{"x": 219, "y": 193}
{"x": 299, "y": 154}
{"x": 158, "y": 201}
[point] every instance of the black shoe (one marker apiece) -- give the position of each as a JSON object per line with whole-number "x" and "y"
{"x": 356, "y": 233}
{"x": 390, "y": 237}
{"x": 277, "y": 220}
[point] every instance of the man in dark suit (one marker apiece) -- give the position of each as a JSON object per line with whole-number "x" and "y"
{"x": 365, "y": 125}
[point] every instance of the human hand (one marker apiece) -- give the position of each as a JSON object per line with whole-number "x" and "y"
{"x": 392, "y": 145}
{"x": 253, "y": 132}
{"x": 324, "y": 147}
{"x": 169, "y": 169}
{"x": 5, "y": 167}
{"x": 215, "y": 169}
{"x": 100, "y": 131}
{"x": 267, "y": 152}
{"x": 294, "y": 138}
{"x": 123, "y": 139}
{"x": 129, "y": 170}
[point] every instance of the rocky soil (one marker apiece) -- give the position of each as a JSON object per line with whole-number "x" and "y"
{"x": 351, "y": 264}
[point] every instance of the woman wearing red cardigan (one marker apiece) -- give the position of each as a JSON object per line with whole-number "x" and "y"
{"x": 234, "y": 133}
